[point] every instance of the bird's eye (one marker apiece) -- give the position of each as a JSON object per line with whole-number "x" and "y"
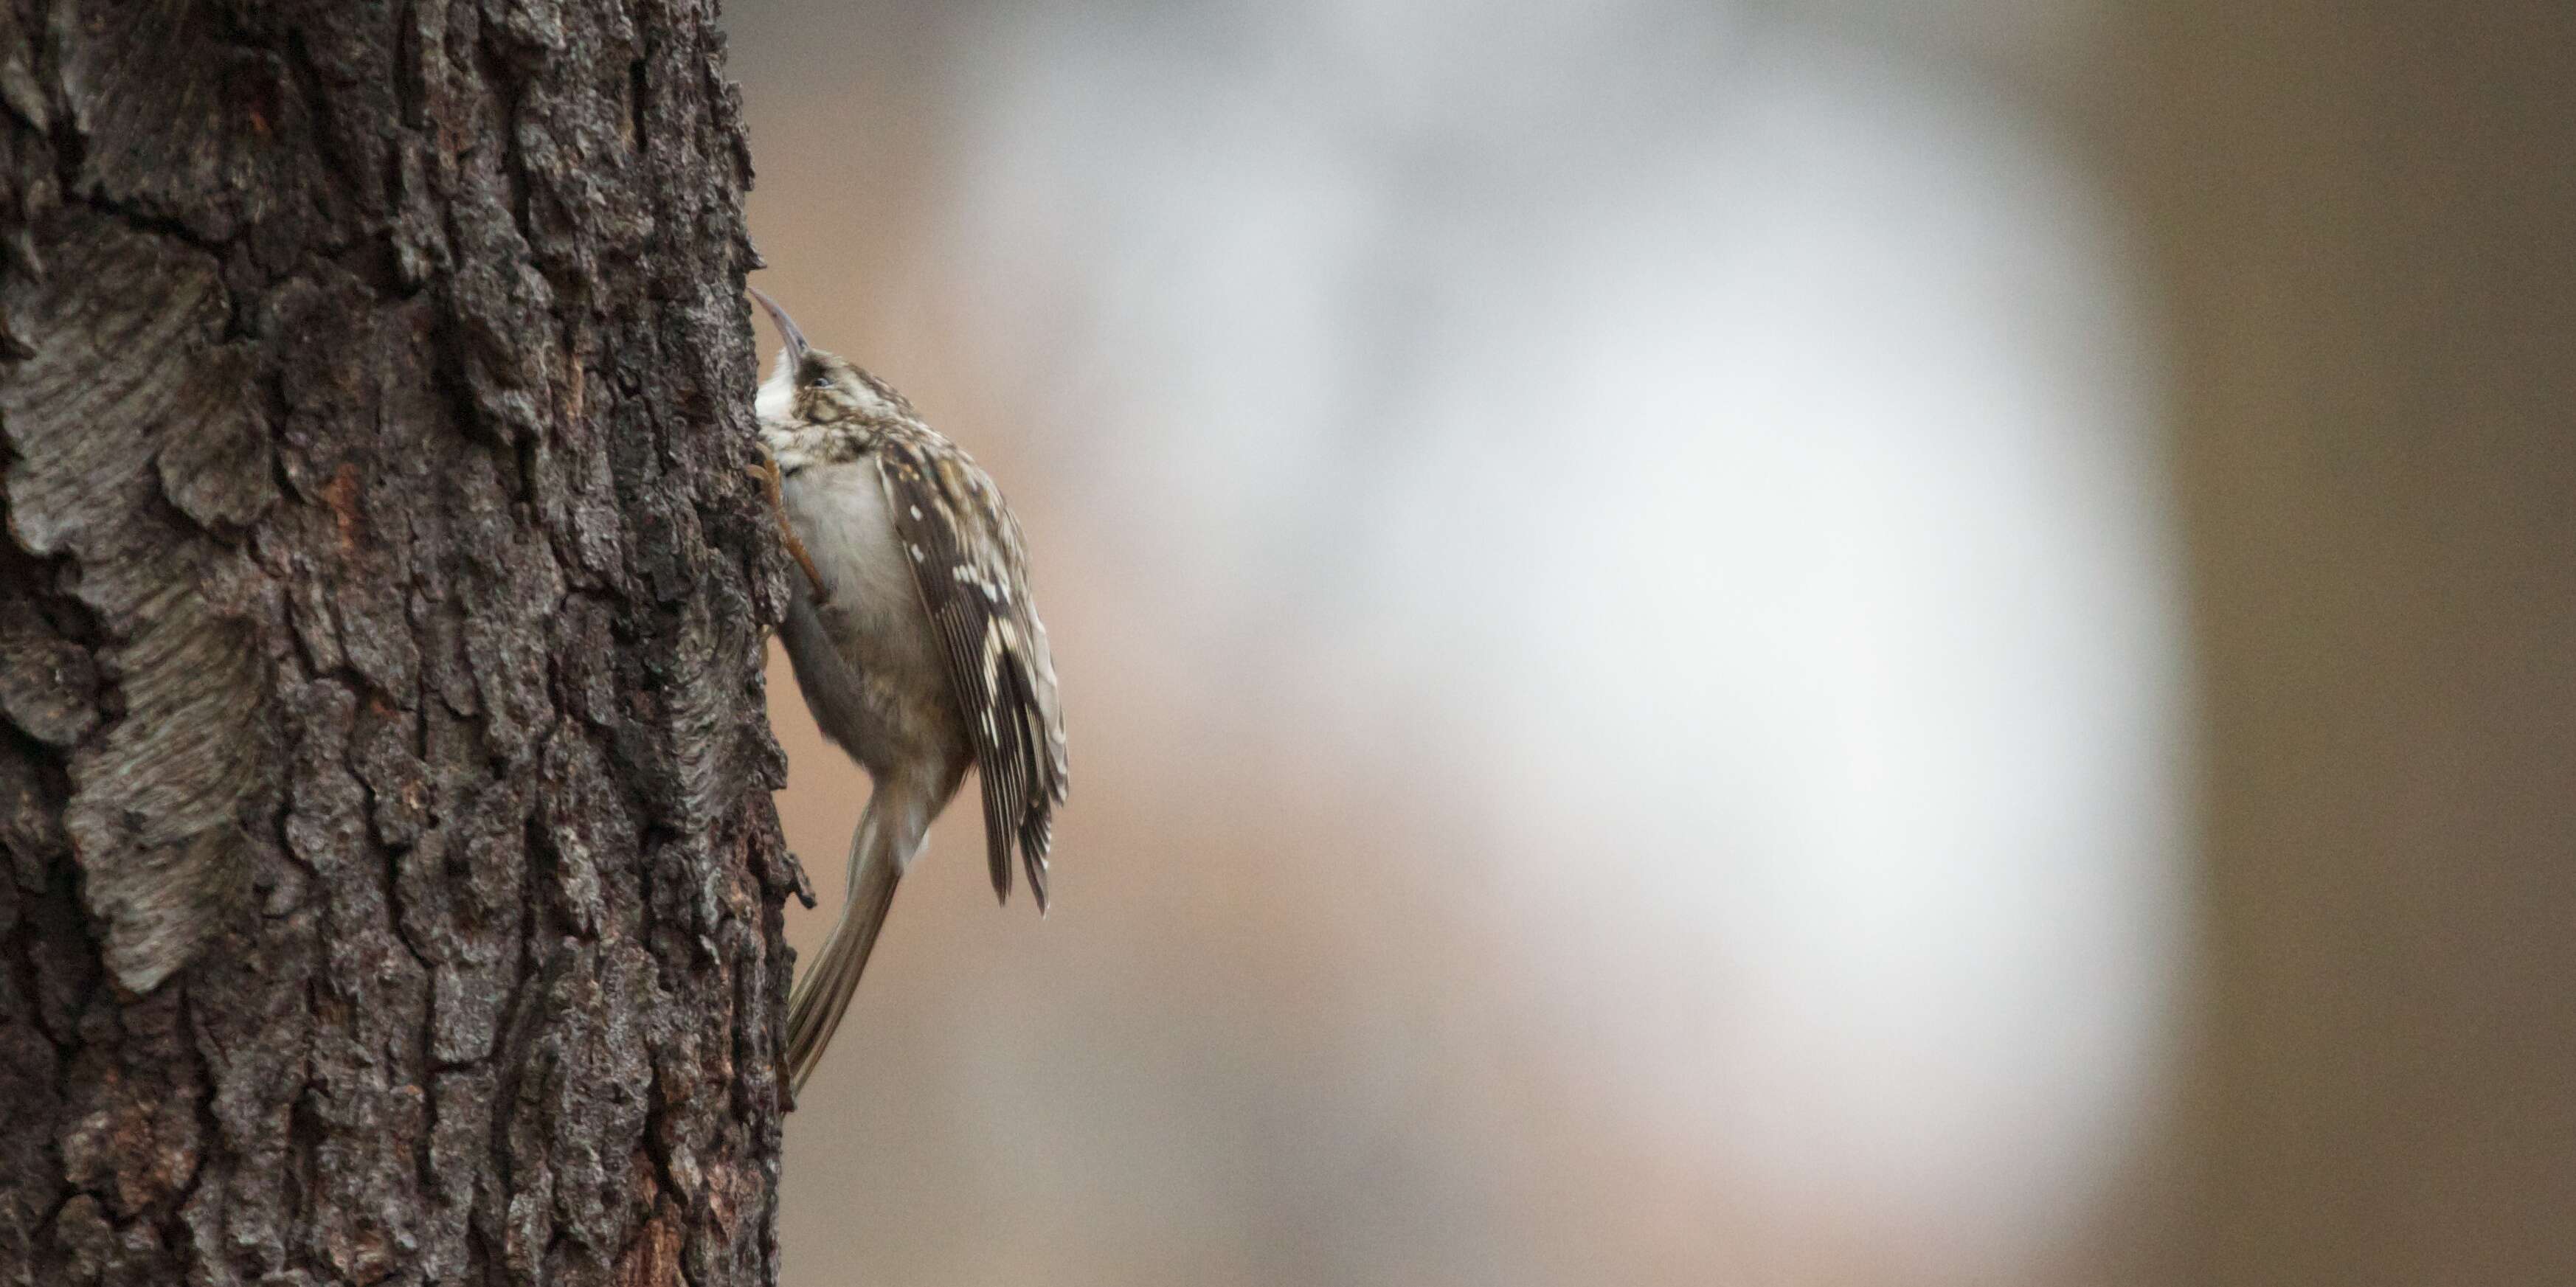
{"x": 820, "y": 381}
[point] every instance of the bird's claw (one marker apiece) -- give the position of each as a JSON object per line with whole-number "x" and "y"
{"x": 767, "y": 473}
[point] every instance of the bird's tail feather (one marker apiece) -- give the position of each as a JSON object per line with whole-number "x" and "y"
{"x": 879, "y": 851}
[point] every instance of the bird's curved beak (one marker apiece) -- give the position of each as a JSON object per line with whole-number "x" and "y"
{"x": 786, "y": 325}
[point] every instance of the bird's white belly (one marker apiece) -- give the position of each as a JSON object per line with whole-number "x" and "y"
{"x": 867, "y": 660}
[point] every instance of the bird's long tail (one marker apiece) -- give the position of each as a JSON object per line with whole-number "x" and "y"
{"x": 879, "y": 851}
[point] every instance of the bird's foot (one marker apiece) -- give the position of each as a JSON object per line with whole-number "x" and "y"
{"x": 767, "y": 473}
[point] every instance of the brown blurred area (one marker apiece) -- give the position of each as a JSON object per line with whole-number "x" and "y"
{"x": 2181, "y": 888}
{"x": 2366, "y": 227}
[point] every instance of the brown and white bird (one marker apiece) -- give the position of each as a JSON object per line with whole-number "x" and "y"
{"x": 915, "y": 644}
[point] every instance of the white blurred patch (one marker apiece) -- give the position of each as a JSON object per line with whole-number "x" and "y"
{"x": 1821, "y": 634}
{"x": 1729, "y": 456}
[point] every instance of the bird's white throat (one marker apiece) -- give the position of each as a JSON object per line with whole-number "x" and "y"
{"x": 777, "y": 396}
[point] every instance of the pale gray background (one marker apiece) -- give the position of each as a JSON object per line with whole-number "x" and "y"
{"x": 1811, "y": 642}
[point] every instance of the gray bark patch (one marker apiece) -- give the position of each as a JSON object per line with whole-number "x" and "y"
{"x": 127, "y": 367}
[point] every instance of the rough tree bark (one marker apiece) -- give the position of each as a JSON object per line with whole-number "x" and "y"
{"x": 391, "y": 890}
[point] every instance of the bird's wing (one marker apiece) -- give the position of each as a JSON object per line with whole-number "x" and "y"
{"x": 967, "y": 559}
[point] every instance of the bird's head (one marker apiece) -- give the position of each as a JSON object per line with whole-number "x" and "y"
{"x": 809, "y": 389}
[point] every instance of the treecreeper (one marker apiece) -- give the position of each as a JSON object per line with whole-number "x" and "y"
{"x": 914, "y": 640}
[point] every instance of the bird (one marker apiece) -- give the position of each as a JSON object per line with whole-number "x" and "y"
{"x": 914, "y": 640}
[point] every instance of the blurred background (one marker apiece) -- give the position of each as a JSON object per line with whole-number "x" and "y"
{"x": 1793, "y": 642}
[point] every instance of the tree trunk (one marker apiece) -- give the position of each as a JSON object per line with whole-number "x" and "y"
{"x": 392, "y": 891}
